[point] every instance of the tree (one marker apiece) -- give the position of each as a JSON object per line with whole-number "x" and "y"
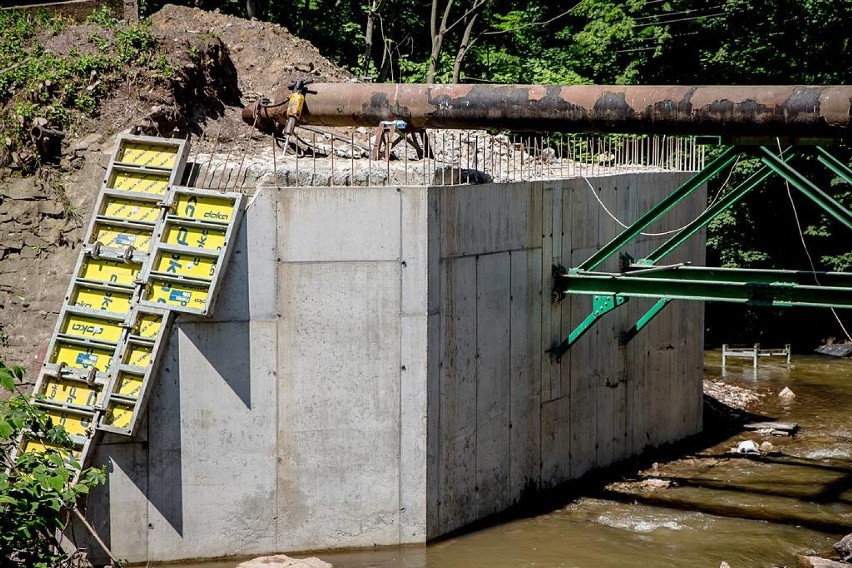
{"x": 38, "y": 491}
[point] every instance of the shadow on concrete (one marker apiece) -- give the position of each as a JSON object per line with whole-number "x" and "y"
{"x": 224, "y": 338}
{"x": 227, "y": 347}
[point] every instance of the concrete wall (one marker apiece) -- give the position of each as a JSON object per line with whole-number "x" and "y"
{"x": 375, "y": 373}
{"x": 503, "y": 418}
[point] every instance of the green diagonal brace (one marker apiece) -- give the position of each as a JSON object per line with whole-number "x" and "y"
{"x": 712, "y": 275}
{"x": 712, "y": 211}
{"x": 804, "y": 185}
{"x": 834, "y": 164}
{"x": 644, "y": 320}
{"x": 601, "y": 305}
{"x": 713, "y": 168}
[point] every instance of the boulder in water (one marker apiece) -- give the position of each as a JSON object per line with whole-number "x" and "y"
{"x": 747, "y": 447}
{"x": 817, "y": 562}
{"x": 844, "y": 547}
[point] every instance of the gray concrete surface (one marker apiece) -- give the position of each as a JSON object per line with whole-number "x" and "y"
{"x": 375, "y": 374}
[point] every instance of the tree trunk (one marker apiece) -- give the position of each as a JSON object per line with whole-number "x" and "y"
{"x": 437, "y": 31}
{"x": 375, "y": 6}
{"x": 464, "y": 45}
{"x": 256, "y": 9}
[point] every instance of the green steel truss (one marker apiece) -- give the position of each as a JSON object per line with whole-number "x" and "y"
{"x": 645, "y": 279}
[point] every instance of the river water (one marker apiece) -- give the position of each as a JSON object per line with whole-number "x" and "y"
{"x": 751, "y": 511}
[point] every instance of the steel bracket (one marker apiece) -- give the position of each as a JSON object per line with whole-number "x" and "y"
{"x": 601, "y": 305}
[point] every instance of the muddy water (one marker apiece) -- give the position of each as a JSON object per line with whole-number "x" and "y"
{"x": 749, "y": 511}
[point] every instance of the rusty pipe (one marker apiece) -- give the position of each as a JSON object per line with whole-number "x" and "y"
{"x": 812, "y": 111}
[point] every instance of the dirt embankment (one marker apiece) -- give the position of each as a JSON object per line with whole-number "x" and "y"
{"x": 215, "y": 63}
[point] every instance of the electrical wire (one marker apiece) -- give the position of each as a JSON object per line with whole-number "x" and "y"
{"x": 664, "y": 233}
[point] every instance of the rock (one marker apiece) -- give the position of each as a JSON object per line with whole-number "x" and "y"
{"x": 23, "y": 189}
{"x": 31, "y": 240}
{"x": 766, "y": 448}
{"x": 284, "y": 561}
{"x": 655, "y": 483}
{"x": 817, "y": 562}
{"x": 786, "y": 394}
{"x": 724, "y": 565}
{"x": 51, "y": 207}
{"x": 844, "y": 547}
{"x": 91, "y": 142}
{"x": 747, "y": 447}
{"x": 29, "y": 252}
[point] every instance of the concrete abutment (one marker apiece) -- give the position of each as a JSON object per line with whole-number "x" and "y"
{"x": 375, "y": 371}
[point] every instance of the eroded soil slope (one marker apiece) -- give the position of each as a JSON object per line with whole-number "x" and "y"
{"x": 216, "y": 64}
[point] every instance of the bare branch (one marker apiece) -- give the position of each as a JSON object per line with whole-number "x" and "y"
{"x": 475, "y": 9}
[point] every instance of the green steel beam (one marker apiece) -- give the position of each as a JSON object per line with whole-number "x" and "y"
{"x": 752, "y": 293}
{"x": 804, "y": 185}
{"x": 741, "y": 275}
{"x": 713, "y": 168}
{"x": 601, "y": 305}
{"x": 747, "y": 286}
{"x": 644, "y": 320}
{"x": 835, "y": 165}
{"x": 712, "y": 211}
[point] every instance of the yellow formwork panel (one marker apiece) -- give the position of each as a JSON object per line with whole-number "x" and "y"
{"x": 204, "y": 207}
{"x": 148, "y": 154}
{"x": 130, "y": 209}
{"x": 34, "y": 446}
{"x": 193, "y": 236}
{"x": 81, "y": 357}
{"x": 148, "y": 325}
{"x": 64, "y": 391}
{"x": 118, "y": 415}
{"x": 147, "y": 183}
{"x": 137, "y": 355}
{"x": 118, "y": 237}
{"x": 75, "y": 424}
{"x": 128, "y": 384}
{"x": 177, "y": 295}
{"x": 96, "y": 299}
{"x": 185, "y": 265}
{"x": 109, "y": 271}
{"x": 86, "y": 327}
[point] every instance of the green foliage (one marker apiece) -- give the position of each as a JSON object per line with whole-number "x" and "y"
{"x": 103, "y": 17}
{"x": 36, "y": 489}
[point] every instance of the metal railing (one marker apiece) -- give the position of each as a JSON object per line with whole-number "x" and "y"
{"x": 325, "y": 158}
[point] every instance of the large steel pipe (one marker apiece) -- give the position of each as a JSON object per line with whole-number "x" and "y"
{"x": 812, "y": 111}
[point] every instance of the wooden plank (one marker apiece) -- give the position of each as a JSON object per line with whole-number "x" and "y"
{"x": 625, "y": 317}
{"x": 582, "y": 357}
{"x": 493, "y": 383}
{"x": 556, "y": 439}
{"x": 607, "y": 345}
{"x": 559, "y": 228}
{"x": 525, "y": 354}
{"x": 642, "y": 403}
{"x": 547, "y": 366}
{"x": 457, "y": 484}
